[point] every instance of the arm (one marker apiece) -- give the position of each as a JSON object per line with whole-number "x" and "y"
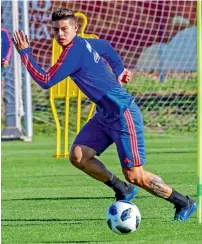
{"x": 105, "y": 50}
{"x": 8, "y": 44}
{"x": 66, "y": 65}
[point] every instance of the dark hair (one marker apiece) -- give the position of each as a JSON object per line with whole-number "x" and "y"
{"x": 63, "y": 13}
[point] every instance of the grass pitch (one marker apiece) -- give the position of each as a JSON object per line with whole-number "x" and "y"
{"x": 47, "y": 200}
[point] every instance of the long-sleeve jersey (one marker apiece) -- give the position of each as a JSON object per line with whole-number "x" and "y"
{"x": 6, "y": 45}
{"x": 83, "y": 61}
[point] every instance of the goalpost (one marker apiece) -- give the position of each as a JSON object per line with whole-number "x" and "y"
{"x": 199, "y": 51}
{"x": 17, "y": 95}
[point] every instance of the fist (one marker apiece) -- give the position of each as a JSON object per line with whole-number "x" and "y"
{"x": 4, "y": 63}
{"x": 125, "y": 76}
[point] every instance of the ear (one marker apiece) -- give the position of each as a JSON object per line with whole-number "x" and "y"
{"x": 76, "y": 27}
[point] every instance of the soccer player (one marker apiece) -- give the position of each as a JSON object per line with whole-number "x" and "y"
{"x": 6, "y": 48}
{"x": 6, "y": 52}
{"x": 118, "y": 119}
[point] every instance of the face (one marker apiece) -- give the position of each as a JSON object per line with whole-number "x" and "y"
{"x": 64, "y": 31}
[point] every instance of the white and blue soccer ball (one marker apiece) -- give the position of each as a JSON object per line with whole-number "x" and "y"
{"x": 123, "y": 217}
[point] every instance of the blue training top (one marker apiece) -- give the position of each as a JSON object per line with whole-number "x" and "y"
{"x": 83, "y": 61}
{"x": 6, "y": 45}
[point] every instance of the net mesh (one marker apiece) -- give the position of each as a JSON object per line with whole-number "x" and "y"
{"x": 155, "y": 39}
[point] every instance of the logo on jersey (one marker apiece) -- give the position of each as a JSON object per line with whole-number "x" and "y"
{"x": 88, "y": 46}
{"x": 95, "y": 54}
{"x": 126, "y": 160}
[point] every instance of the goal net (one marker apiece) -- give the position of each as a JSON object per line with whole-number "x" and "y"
{"x": 155, "y": 39}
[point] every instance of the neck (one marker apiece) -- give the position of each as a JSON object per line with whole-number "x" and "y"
{"x": 63, "y": 47}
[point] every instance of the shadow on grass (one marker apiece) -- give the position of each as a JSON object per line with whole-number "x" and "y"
{"x": 67, "y": 198}
{"x": 33, "y": 222}
{"x": 72, "y": 242}
{"x": 74, "y": 221}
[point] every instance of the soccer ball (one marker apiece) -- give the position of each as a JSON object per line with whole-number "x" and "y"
{"x": 123, "y": 217}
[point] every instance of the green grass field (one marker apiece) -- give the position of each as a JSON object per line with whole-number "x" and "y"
{"x": 47, "y": 200}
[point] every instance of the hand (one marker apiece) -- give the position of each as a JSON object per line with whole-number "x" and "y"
{"x": 125, "y": 76}
{"x": 20, "y": 40}
{"x": 4, "y": 62}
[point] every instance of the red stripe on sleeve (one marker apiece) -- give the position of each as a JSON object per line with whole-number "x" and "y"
{"x": 34, "y": 72}
{"x": 44, "y": 78}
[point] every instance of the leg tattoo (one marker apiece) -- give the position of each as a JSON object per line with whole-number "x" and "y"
{"x": 159, "y": 188}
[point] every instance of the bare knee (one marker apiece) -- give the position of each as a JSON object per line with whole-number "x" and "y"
{"x": 135, "y": 176}
{"x": 80, "y": 155}
{"x": 75, "y": 156}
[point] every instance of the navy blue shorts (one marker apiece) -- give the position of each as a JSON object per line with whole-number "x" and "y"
{"x": 127, "y": 132}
